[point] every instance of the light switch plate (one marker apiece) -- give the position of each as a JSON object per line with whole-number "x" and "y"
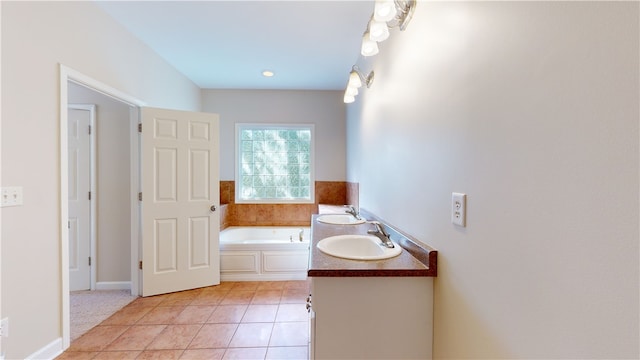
{"x": 11, "y": 196}
{"x": 459, "y": 209}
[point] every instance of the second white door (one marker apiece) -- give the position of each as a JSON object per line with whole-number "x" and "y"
{"x": 79, "y": 145}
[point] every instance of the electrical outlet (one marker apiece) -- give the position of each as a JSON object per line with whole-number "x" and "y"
{"x": 11, "y": 196}
{"x": 4, "y": 327}
{"x": 459, "y": 209}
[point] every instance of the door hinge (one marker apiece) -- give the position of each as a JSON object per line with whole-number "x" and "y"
{"x": 140, "y": 127}
{"x": 139, "y": 196}
{"x": 140, "y": 265}
{"x": 69, "y": 224}
{"x": 89, "y": 195}
{"x": 89, "y": 260}
{"x": 89, "y": 129}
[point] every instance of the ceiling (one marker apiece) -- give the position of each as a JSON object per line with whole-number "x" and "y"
{"x": 309, "y": 45}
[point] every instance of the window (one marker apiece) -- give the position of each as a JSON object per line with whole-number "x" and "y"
{"x": 274, "y": 163}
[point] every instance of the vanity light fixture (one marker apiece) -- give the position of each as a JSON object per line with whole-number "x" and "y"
{"x": 356, "y": 80}
{"x": 386, "y": 14}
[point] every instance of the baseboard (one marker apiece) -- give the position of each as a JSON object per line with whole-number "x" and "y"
{"x": 113, "y": 285}
{"x": 50, "y": 351}
{"x": 264, "y": 277}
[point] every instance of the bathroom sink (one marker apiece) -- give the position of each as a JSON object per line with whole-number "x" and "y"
{"x": 340, "y": 219}
{"x": 357, "y": 247}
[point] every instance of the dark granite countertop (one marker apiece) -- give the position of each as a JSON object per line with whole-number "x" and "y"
{"x": 421, "y": 263}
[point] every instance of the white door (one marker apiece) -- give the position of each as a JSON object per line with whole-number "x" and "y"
{"x": 79, "y": 204}
{"x": 180, "y": 196}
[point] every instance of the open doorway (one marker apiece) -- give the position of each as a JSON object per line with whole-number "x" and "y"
{"x": 99, "y": 209}
{"x": 78, "y": 88}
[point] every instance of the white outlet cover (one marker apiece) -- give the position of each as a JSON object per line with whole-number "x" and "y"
{"x": 459, "y": 209}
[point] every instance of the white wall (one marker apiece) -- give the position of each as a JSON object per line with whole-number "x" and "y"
{"x": 325, "y": 109}
{"x": 532, "y": 109}
{"x": 36, "y": 37}
{"x": 113, "y": 213}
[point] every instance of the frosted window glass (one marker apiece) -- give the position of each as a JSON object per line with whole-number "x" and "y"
{"x": 275, "y": 163}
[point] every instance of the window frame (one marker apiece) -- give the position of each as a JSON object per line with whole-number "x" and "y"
{"x": 238, "y": 166}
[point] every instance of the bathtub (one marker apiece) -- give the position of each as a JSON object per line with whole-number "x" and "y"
{"x": 264, "y": 253}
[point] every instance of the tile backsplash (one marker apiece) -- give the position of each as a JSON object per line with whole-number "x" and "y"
{"x": 327, "y": 192}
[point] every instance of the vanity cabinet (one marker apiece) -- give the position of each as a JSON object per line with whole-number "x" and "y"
{"x": 371, "y": 318}
{"x": 380, "y": 309}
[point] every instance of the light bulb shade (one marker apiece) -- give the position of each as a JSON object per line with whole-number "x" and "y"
{"x": 351, "y": 91}
{"x": 369, "y": 47}
{"x": 349, "y": 99}
{"x": 378, "y": 31}
{"x": 384, "y": 10}
{"x": 354, "y": 80}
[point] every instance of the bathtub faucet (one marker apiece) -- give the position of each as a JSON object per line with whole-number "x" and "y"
{"x": 352, "y": 210}
{"x": 380, "y": 232}
{"x": 301, "y": 235}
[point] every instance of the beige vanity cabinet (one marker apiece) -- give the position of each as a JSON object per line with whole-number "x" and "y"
{"x": 379, "y": 309}
{"x": 371, "y": 318}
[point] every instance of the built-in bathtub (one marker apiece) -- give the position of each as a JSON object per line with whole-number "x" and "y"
{"x": 264, "y": 253}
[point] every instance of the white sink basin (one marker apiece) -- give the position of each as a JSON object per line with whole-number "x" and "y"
{"x": 340, "y": 219}
{"x": 357, "y": 247}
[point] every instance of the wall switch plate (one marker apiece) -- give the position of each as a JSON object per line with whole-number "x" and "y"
{"x": 459, "y": 209}
{"x": 11, "y": 196}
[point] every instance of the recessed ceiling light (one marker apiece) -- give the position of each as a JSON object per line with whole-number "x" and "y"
{"x": 268, "y": 73}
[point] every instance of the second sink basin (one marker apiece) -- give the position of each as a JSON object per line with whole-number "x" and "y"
{"x": 340, "y": 219}
{"x": 357, "y": 247}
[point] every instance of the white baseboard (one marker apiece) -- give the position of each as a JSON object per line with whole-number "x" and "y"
{"x": 264, "y": 277}
{"x": 113, "y": 285}
{"x": 50, "y": 351}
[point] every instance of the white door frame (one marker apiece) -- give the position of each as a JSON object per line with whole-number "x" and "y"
{"x": 67, "y": 74}
{"x": 91, "y": 108}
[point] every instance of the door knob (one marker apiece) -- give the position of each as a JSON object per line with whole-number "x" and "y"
{"x": 213, "y": 208}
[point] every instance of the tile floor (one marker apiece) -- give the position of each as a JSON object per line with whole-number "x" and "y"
{"x": 233, "y": 320}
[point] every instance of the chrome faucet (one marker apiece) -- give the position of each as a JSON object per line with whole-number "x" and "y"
{"x": 352, "y": 210}
{"x": 301, "y": 235}
{"x": 380, "y": 232}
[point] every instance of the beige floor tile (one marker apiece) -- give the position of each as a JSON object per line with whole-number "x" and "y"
{"x": 129, "y": 315}
{"x": 120, "y": 355}
{"x": 271, "y": 285}
{"x": 290, "y": 334}
{"x": 245, "y": 354}
{"x": 288, "y": 352}
{"x": 213, "y": 336}
{"x": 292, "y": 312}
{"x": 203, "y": 354}
{"x": 162, "y": 315}
{"x": 267, "y": 297}
{"x": 228, "y": 314}
{"x": 98, "y": 338}
{"x": 238, "y": 297}
{"x": 160, "y": 355}
{"x": 137, "y": 337}
{"x": 77, "y": 355}
{"x": 294, "y": 296}
{"x": 246, "y": 285}
{"x": 195, "y": 314}
{"x": 252, "y": 335}
{"x": 209, "y": 298}
{"x": 260, "y": 313}
{"x": 233, "y": 320}
{"x": 175, "y": 337}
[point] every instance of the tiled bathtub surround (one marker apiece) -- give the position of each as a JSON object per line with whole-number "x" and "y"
{"x": 327, "y": 192}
